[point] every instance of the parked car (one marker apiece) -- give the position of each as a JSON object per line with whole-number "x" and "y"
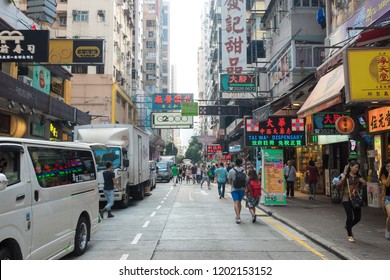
{"x": 164, "y": 172}
{"x": 153, "y": 174}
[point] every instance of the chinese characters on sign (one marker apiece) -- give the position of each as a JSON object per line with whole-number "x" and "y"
{"x": 379, "y": 119}
{"x": 368, "y": 74}
{"x": 345, "y": 125}
{"x": 213, "y": 149}
{"x": 233, "y": 36}
{"x": 238, "y": 83}
{"x": 24, "y": 45}
{"x": 324, "y": 123}
{"x": 170, "y": 101}
{"x": 281, "y": 131}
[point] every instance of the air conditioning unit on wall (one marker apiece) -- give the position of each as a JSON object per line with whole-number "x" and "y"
{"x": 25, "y": 79}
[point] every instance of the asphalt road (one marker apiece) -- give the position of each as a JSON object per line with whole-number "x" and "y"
{"x": 189, "y": 223}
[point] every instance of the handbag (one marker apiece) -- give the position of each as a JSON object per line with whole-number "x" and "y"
{"x": 337, "y": 191}
{"x": 356, "y": 199}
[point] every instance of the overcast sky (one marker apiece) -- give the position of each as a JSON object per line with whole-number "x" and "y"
{"x": 185, "y": 39}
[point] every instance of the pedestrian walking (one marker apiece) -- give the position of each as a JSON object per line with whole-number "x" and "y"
{"x": 188, "y": 174}
{"x": 253, "y": 193}
{"x": 238, "y": 180}
{"x": 108, "y": 189}
{"x": 175, "y": 171}
{"x": 312, "y": 176}
{"x": 350, "y": 183}
{"x": 289, "y": 175}
{"x": 198, "y": 174}
{"x": 384, "y": 176}
{"x": 205, "y": 176}
{"x": 221, "y": 174}
{"x": 194, "y": 170}
{"x": 180, "y": 174}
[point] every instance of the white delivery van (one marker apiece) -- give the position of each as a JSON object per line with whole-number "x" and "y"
{"x": 49, "y": 200}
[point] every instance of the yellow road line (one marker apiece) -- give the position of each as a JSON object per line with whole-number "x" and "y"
{"x": 295, "y": 238}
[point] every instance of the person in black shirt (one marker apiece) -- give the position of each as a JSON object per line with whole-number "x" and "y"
{"x": 109, "y": 183}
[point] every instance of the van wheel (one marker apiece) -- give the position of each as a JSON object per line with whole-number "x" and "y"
{"x": 81, "y": 238}
{"x": 5, "y": 254}
{"x": 125, "y": 201}
{"x": 140, "y": 194}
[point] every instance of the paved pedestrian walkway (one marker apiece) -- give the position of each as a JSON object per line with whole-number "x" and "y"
{"x": 323, "y": 222}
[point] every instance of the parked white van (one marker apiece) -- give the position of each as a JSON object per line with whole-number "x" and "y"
{"x": 49, "y": 199}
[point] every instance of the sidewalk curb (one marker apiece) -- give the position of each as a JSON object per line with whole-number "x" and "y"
{"x": 312, "y": 236}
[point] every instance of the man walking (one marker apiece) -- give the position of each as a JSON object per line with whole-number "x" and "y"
{"x": 238, "y": 180}
{"x": 109, "y": 183}
{"x": 221, "y": 174}
{"x": 289, "y": 175}
{"x": 175, "y": 171}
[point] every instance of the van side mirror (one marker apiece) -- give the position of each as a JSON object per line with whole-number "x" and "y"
{"x": 3, "y": 182}
{"x": 126, "y": 163}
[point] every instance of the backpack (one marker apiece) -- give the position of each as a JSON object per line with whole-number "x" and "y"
{"x": 254, "y": 189}
{"x": 240, "y": 179}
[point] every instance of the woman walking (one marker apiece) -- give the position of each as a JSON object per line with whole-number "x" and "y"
{"x": 384, "y": 176}
{"x": 253, "y": 193}
{"x": 312, "y": 175}
{"x": 205, "y": 176}
{"x": 350, "y": 183}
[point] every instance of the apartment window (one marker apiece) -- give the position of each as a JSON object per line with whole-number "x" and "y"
{"x": 5, "y": 124}
{"x": 165, "y": 35}
{"x": 80, "y": 16}
{"x": 309, "y": 56}
{"x": 63, "y": 19}
{"x": 152, "y": 7}
{"x": 306, "y": 3}
{"x": 100, "y": 69}
{"x": 101, "y": 16}
{"x": 150, "y": 77}
{"x": 150, "y": 23}
{"x": 79, "y": 69}
{"x": 63, "y": 1}
{"x": 150, "y": 66}
{"x": 150, "y": 34}
{"x": 150, "y": 55}
{"x": 151, "y": 44}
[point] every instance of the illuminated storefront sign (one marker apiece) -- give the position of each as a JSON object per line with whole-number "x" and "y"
{"x": 368, "y": 75}
{"x": 237, "y": 83}
{"x": 213, "y": 149}
{"x": 170, "y": 101}
{"x": 76, "y": 51}
{"x": 379, "y": 119}
{"x": 345, "y": 125}
{"x": 277, "y": 131}
{"x": 324, "y": 123}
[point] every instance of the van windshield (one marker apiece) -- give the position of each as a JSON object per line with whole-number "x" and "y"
{"x": 111, "y": 154}
{"x": 162, "y": 165}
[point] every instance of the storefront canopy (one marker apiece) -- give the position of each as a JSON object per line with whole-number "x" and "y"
{"x": 325, "y": 94}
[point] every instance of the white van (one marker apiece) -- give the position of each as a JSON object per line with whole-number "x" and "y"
{"x": 49, "y": 199}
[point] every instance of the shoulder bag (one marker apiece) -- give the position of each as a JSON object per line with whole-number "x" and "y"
{"x": 356, "y": 199}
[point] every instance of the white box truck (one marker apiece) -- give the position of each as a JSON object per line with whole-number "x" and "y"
{"x": 128, "y": 150}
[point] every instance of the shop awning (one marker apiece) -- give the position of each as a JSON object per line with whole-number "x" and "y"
{"x": 325, "y": 94}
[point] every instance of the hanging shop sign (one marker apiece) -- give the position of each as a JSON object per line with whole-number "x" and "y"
{"x": 345, "y": 125}
{"x": 218, "y": 110}
{"x": 171, "y": 120}
{"x": 41, "y": 79}
{"x": 233, "y": 37}
{"x": 237, "y": 83}
{"x": 324, "y": 123}
{"x": 189, "y": 109}
{"x": 213, "y": 149}
{"x": 276, "y": 131}
{"x": 24, "y": 45}
{"x": 368, "y": 75}
{"x": 170, "y": 101}
{"x": 353, "y": 145}
{"x": 76, "y": 51}
{"x": 379, "y": 119}
{"x": 207, "y": 139}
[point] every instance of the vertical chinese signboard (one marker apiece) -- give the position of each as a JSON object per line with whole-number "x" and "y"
{"x": 233, "y": 36}
{"x": 272, "y": 177}
{"x": 277, "y": 131}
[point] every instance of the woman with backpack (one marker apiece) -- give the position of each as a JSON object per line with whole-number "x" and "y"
{"x": 253, "y": 193}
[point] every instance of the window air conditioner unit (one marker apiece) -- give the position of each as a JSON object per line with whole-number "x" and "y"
{"x": 25, "y": 79}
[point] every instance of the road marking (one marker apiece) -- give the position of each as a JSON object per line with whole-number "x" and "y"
{"x": 136, "y": 238}
{"x": 190, "y": 197}
{"x": 153, "y": 214}
{"x": 295, "y": 238}
{"x": 158, "y": 207}
{"x": 124, "y": 257}
{"x": 146, "y": 224}
{"x": 162, "y": 201}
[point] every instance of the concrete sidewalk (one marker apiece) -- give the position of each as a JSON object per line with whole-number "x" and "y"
{"x": 323, "y": 222}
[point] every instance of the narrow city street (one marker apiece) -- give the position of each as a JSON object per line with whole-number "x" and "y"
{"x": 189, "y": 223}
